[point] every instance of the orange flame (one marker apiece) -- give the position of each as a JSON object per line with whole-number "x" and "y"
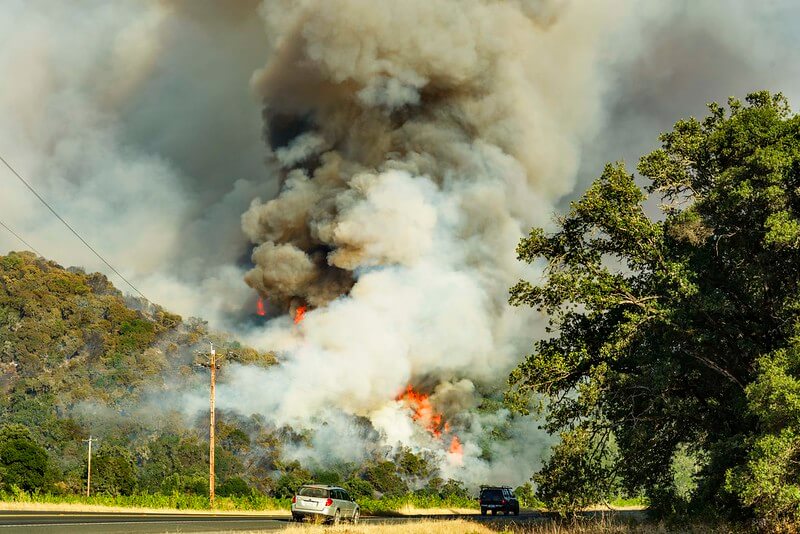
{"x": 299, "y": 313}
{"x": 260, "y": 307}
{"x": 423, "y": 411}
{"x": 456, "y": 447}
{"x": 456, "y": 451}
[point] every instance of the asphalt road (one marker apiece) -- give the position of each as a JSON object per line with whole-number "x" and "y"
{"x": 119, "y": 523}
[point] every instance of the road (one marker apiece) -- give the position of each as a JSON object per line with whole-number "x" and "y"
{"x": 123, "y": 523}
{"x": 119, "y": 523}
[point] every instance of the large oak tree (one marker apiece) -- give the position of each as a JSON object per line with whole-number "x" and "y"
{"x": 675, "y": 329}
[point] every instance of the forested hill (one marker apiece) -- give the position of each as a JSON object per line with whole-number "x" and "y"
{"x": 67, "y": 336}
{"x": 72, "y": 346}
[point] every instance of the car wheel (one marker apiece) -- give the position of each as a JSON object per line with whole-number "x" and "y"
{"x": 494, "y": 512}
{"x": 297, "y": 518}
{"x": 356, "y": 514}
{"x": 336, "y": 518}
{"x": 483, "y": 511}
{"x": 516, "y": 510}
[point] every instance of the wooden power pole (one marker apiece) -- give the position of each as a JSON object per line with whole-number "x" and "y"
{"x": 89, "y": 465}
{"x": 213, "y": 366}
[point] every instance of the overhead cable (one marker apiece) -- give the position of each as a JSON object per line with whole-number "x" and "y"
{"x": 71, "y": 229}
{"x": 12, "y": 232}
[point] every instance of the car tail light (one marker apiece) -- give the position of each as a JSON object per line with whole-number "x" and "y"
{"x": 504, "y": 501}
{"x": 329, "y": 502}
{"x": 294, "y": 499}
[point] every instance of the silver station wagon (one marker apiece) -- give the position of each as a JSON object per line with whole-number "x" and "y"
{"x": 327, "y": 503}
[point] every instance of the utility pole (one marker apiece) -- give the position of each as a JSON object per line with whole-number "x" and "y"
{"x": 89, "y": 465}
{"x": 213, "y": 366}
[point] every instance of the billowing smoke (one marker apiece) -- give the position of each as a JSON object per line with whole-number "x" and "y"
{"x": 408, "y": 147}
{"x": 417, "y": 142}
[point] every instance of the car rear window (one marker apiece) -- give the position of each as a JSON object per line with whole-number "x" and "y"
{"x": 313, "y": 492}
{"x": 492, "y": 494}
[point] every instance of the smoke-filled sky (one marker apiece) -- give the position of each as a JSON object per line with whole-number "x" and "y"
{"x": 374, "y": 161}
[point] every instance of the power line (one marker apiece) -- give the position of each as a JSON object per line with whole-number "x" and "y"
{"x": 71, "y": 229}
{"x": 12, "y": 232}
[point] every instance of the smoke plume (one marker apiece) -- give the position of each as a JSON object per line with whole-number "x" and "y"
{"x": 386, "y": 158}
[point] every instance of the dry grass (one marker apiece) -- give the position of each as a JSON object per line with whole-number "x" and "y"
{"x": 412, "y": 510}
{"x": 455, "y": 526}
{"x": 78, "y": 507}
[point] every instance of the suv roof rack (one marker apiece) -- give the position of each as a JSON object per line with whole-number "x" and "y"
{"x": 485, "y": 486}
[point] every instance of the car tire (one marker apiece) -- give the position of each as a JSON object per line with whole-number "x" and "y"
{"x": 483, "y": 511}
{"x": 516, "y": 510}
{"x": 297, "y": 518}
{"x": 356, "y": 515}
{"x": 336, "y": 518}
{"x": 494, "y": 512}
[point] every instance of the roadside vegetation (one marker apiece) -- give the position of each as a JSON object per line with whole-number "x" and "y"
{"x": 674, "y": 368}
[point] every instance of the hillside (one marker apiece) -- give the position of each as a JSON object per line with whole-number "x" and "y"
{"x": 78, "y": 358}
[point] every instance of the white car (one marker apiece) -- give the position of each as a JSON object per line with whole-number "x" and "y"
{"x": 329, "y": 503}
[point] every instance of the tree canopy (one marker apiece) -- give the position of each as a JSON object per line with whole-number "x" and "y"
{"x": 676, "y": 328}
{"x": 23, "y": 462}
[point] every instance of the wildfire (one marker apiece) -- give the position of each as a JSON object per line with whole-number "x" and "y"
{"x": 299, "y": 313}
{"x": 260, "y": 307}
{"x": 432, "y": 421}
{"x": 456, "y": 451}
{"x": 423, "y": 411}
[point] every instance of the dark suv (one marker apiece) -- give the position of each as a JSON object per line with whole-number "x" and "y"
{"x": 498, "y": 498}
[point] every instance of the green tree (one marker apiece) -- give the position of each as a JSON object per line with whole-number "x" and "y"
{"x": 358, "y": 488}
{"x": 413, "y": 465}
{"x": 658, "y": 322}
{"x": 770, "y": 479}
{"x": 23, "y": 462}
{"x": 453, "y": 489}
{"x": 384, "y": 478}
{"x": 292, "y": 477}
{"x": 113, "y": 471}
{"x": 174, "y": 463}
{"x": 234, "y": 486}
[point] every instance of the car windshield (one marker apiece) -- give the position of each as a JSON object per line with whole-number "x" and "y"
{"x": 492, "y": 494}
{"x": 313, "y": 492}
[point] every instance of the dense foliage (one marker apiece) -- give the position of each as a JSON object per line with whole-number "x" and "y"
{"x": 23, "y": 462}
{"x": 676, "y": 333}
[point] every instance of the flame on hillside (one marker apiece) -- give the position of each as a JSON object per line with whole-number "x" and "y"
{"x": 456, "y": 451}
{"x": 299, "y": 313}
{"x": 260, "y": 307}
{"x": 423, "y": 412}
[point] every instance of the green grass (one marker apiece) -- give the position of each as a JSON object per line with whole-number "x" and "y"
{"x": 630, "y": 501}
{"x": 146, "y": 500}
{"x": 384, "y": 506}
{"x": 181, "y": 501}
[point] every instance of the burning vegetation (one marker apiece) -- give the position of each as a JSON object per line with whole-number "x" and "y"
{"x": 423, "y": 412}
